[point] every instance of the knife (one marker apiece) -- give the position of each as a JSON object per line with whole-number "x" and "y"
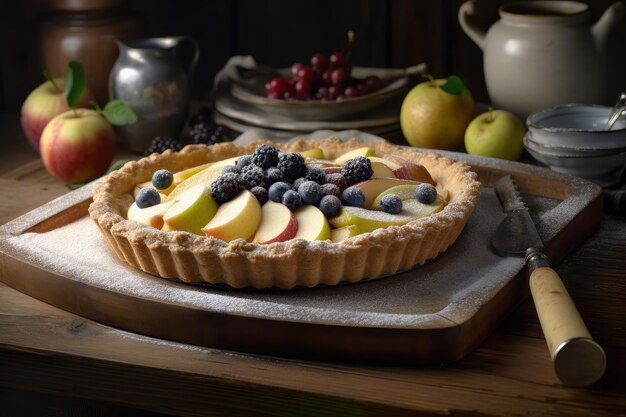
{"x": 578, "y": 360}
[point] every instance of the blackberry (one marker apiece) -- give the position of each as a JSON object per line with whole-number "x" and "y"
{"x": 316, "y": 174}
{"x": 261, "y": 194}
{"x": 162, "y": 178}
{"x": 292, "y": 166}
{"x": 337, "y": 179}
{"x": 274, "y": 175}
{"x": 203, "y": 116}
{"x": 253, "y": 176}
{"x": 357, "y": 169}
{"x": 202, "y": 133}
{"x": 243, "y": 161}
{"x": 265, "y": 156}
{"x": 226, "y": 187}
{"x": 230, "y": 168}
{"x": 330, "y": 205}
{"x": 330, "y": 189}
{"x": 162, "y": 143}
{"x": 147, "y": 197}
{"x": 292, "y": 200}
{"x": 425, "y": 193}
{"x": 391, "y": 203}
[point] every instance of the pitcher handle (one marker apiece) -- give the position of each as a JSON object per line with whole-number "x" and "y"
{"x": 470, "y": 29}
{"x": 191, "y": 68}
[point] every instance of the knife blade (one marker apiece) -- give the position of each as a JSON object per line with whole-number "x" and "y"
{"x": 578, "y": 360}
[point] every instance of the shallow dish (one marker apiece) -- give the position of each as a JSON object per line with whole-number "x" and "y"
{"x": 602, "y": 166}
{"x": 576, "y": 126}
{"x": 251, "y": 90}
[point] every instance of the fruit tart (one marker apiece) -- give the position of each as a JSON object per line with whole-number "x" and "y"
{"x": 268, "y": 215}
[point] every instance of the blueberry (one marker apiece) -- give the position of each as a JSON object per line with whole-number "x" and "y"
{"x": 425, "y": 193}
{"x": 391, "y": 203}
{"x": 162, "y": 179}
{"x": 297, "y": 183}
{"x": 292, "y": 199}
{"x": 260, "y": 193}
{"x": 353, "y": 196}
{"x": 277, "y": 190}
{"x": 330, "y": 189}
{"x": 330, "y": 205}
{"x": 309, "y": 192}
{"x": 147, "y": 197}
{"x": 243, "y": 161}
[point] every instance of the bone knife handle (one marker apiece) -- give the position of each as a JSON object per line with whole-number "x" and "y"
{"x": 578, "y": 360}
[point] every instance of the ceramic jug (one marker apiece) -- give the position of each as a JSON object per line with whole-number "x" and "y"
{"x": 149, "y": 76}
{"x": 543, "y": 53}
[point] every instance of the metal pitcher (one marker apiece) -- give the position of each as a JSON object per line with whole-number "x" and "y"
{"x": 149, "y": 76}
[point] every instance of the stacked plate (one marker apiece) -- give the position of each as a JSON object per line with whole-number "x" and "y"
{"x": 574, "y": 139}
{"x": 240, "y": 103}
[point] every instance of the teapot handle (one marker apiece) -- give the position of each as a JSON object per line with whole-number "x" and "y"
{"x": 470, "y": 29}
{"x": 191, "y": 68}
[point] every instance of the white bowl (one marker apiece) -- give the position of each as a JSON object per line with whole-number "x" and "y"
{"x": 602, "y": 166}
{"x": 576, "y": 126}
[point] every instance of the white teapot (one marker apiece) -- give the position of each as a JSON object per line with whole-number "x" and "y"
{"x": 543, "y": 53}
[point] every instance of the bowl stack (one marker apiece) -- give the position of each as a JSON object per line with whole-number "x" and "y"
{"x": 240, "y": 103}
{"x": 573, "y": 139}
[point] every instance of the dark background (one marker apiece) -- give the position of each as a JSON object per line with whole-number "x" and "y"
{"x": 389, "y": 33}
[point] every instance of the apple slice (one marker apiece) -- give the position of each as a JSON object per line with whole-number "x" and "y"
{"x": 316, "y": 153}
{"x": 413, "y": 171}
{"x": 380, "y": 168}
{"x": 192, "y": 210}
{"x": 278, "y": 224}
{"x": 179, "y": 177}
{"x": 312, "y": 224}
{"x": 398, "y": 170}
{"x": 204, "y": 177}
{"x": 374, "y": 186}
{"x": 237, "y": 218}
{"x": 370, "y": 220}
{"x": 151, "y": 216}
{"x": 364, "y": 151}
{"x": 337, "y": 235}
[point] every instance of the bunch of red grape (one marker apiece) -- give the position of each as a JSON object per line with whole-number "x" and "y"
{"x": 325, "y": 78}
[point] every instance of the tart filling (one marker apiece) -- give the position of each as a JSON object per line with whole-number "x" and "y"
{"x": 194, "y": 234}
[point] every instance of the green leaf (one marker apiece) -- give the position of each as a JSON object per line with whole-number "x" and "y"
{"x": 50, "y": 78}
{"x": 454, "y": 85}
{"x": 118, "y": 113}
{"x": 74, "y": 83}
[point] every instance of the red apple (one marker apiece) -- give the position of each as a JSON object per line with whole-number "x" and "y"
{"x": 77, "y": 146}
{"x": 278, "y": 224}
{"x": 42, "y": 105}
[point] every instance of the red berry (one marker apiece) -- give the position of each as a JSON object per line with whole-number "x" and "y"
{"x": 373, "y": 83}
{"x": 337, "y": 60}
{"x": 319, "y": 61}
{"x": 295, "y": 68}
{"x": 276, "y": 86}
{"x": 350, "y": 92}
{"x": 339, "y": 76}
{"x": 303, "y": 88}
{"x": 332, "y": 93}
{"x": 305, "y": 73}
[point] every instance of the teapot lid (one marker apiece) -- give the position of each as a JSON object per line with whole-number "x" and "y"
{"x": 545, "y": 11}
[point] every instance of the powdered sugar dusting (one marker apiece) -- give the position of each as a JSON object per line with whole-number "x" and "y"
{"x": 446, "y": 290}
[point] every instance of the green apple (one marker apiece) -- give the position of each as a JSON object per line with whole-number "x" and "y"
{"x": 151, "y": 216}
{"x": 204, "y": 177}
{"x": 364, "y": 151}
{"x": 278, "y": 224}
{"x": 435, "y": 114}
{"x": 373, "y": 187}
{"x": 496, "y": 134}
{"x": 315, "y": 153}
{"x": 370, "y": 220}
{"x": 312, "y": 224}
{"x": 238, "y": 218}
{"x": 192, "y": 210}
{"x": 342, "y": 233}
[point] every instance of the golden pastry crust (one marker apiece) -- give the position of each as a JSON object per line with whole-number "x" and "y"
{"x": 193, "y": 258}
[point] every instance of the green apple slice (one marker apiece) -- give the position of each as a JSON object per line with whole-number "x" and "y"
{"x": 237, "y": 218}
{"x": 312, "y": 224}
{"x": 364, "y": 151}
{"x": 192, "y": 210}
{"x": 370, "y": 220}
{"x": 338, "y": 235}
{"x": 204, "y": 177}
{"x": 404, "y": 191}
{"x": 315, "y": 153}
{"x": 373, "y": 187}
{"x": 151, "y": 216}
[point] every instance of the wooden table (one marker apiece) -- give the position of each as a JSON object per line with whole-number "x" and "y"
{"x": 56, "y": 363}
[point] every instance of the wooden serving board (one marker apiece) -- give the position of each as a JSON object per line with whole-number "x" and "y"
{"x": 435, "y": 313}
